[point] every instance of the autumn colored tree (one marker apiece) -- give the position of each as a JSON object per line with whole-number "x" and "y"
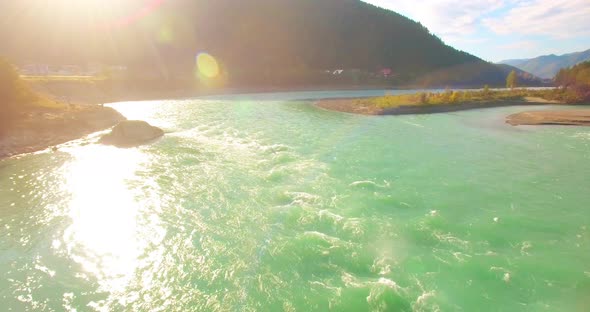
{"x": 13, "y": 90}
{"x": 512, "y": 80}
{"x": 14, "y": 94}
{"x": 575, "y": 82}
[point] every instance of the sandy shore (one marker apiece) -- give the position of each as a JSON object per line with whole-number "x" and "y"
{"x": 549, "y": 117}
{"x": 39, "y": 129}
{"x": 43, "y": 128}
{"x": 352, "y": 106}
{"x": 579, "y": 117}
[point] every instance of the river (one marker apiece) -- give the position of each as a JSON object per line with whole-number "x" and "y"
{"x": 264, "y": 202}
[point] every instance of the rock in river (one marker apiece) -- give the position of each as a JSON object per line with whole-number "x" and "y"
{"x": 131, "y": 133}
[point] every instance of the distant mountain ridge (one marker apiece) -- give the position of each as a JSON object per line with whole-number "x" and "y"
{"x": 547, "y": 66}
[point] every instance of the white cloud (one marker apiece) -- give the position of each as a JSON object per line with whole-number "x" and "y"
{"x": 520, "y": 45}
{"x": 444, "y": 17}
{"x": 501, "y": 29}
{"x": 555, "y": 18}
{"x": 466, "y": 40}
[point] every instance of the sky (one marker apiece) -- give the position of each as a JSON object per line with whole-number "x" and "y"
{"x": 497, "y": 30}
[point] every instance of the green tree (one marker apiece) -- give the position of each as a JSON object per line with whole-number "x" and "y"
{"x": 486, "y": 90}
{"x": 512, "y": 80}
{"x": 575, "y": 82}
{"x": 14, "y": 94}
{"x": 423, "y": 98}
{"x": 13, "y": 90}
{"x": 454, "y": 96}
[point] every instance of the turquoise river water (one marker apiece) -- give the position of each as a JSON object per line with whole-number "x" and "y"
{"x": 267, "y": 203}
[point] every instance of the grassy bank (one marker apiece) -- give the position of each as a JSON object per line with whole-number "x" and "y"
{"x": 17, "y": 99}
{"x": 31, "y": 121}
{"x": 457, "y": 98}
{"x": 448, "y": 101}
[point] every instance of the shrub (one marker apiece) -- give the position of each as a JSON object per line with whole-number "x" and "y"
{"x": 15, "y": 95}
{"x": 512, "y": 80}
{"x": 13, "y": 90}
{"x": 575, "y": 82}
{"x": 423, "y": 98}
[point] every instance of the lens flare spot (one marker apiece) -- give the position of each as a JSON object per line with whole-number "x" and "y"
{"x": 165, "y": 34}
{"x": 207, "y": 65}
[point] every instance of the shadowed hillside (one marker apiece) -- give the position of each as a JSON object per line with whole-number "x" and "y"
{"x": 256, "y": 42}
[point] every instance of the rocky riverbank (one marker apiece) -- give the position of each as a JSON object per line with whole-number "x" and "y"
{"x": 41, "y": 128}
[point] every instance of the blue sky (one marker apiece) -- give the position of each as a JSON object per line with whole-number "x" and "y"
{"x": 502, "y": 29}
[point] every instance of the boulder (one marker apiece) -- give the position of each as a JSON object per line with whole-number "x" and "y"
{"x": 130, "y": 133}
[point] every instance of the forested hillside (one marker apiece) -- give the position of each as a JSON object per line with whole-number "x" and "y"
{"x": 254, "y": 41}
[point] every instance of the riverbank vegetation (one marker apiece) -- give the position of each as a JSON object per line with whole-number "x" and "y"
{"x": 456, "y": 97}
{"x": 16, "y": 97}
{"x": 573, "y": 88}
{"x": 30, "y": 121}
{"x": 574, "y": 83}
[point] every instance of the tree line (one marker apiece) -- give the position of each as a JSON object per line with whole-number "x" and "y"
{"x": 575, "y": 83}
{"x": 255, "y": 41}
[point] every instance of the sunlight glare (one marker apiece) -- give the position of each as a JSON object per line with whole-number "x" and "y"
{"x": 103, "y": 234}
{"x": 109, "y": 14}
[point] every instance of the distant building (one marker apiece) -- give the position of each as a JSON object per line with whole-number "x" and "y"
{"x": 34, "y": 70}
{"x": 70, "y": 70}
{"x": 92, "y": 69}
{"x": 385, "y": 72}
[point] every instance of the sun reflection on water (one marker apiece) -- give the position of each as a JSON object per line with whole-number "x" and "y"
{"x": 103, "y": 235}
{"x": 140, "y": 110}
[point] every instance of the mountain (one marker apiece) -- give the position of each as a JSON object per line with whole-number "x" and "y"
{"x": 476, "y": 74}
{"x": 548, "y": 65}
{"x": 255, "y": 41}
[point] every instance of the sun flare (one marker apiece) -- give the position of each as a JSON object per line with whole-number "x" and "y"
{"x": 94, "y": 13}
{"x": 103, "y": 234}
{"x": 207, "y": 65}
